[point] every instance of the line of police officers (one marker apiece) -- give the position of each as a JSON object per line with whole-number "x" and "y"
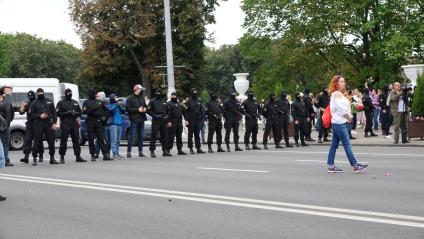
{"x": 167, "y": 119}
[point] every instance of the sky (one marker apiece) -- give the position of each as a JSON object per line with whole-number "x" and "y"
{"x": 50, "y": 19}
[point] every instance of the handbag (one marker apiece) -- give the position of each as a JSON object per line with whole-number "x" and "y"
{"x": 326, "y": 117}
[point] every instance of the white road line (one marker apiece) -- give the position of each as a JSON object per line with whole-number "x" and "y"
{"x": 234, "y": 170}
{"x": 322, "y": 161}
{"x": 234, "y": 201}
{"x": 356, "y": 153}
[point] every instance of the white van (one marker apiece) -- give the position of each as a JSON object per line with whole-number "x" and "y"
{"x": 52, "y": 90}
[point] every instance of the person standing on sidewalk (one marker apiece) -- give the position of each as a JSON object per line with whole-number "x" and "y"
{"x": 341, "y": 115}
{"x": 311, "y": 114}
{"x": 270, "y": 112}
{"x": 136, "y": 108}
{"x": 399, "y": 107}
{"x": 176, "y": 113}
{"x": 300, "y": 117}
{"x": 214, "y": 111}
{"x": 385, "y": 111}
{"x": 368, "y": 109}
{"x": 231, "y": 114}
{"x": 251, "y": 113}
{"x": 322, "y": 103}
{"x": 284, "y": 111}
{"x": 6, "y": 111}
{"x": 115, "y": 125}
{"x": 376, "y": 113}
{"x": 159, "y": 111}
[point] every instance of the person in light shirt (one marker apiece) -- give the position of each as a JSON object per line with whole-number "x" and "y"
{"x": 341, "y": 117}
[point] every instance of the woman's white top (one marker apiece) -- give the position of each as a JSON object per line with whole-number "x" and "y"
{"x": 339, "y": 106}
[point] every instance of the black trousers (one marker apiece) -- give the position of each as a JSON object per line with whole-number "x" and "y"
{"x": 95, "y": 130}
{"x": 300, "y": 129}
{"x": 69, "y": 128}
{"x": 368, "y": 125}
{"x": 43, "y": 128}
{"x": 308, "y": 129}
{"x": 194, "y": 131}
{"x": 271, "y": 124}
{"x": 29, "y": 140}
{"x": 215, "y": 126}
{"x": 175, "y": 131}
{"x": 251, "y": 129}
{"x": 234, "y": 126}
{"x": 159, "y": 125}
{"x": 284, "y": 125}
{"x": 385, "y": 122}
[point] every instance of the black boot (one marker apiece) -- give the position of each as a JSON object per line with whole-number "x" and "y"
{"x": 265, "y": 146}
{"x": 25, "y": 159}
{"x": 297, "y": 144}
{"x": 106, "y": 157}
{"x": 220, "y": 149}
{"x": 166, "y": 153}
{"x": 93, "y": 157}
{"x": 62, "y": 158}
{"x": 278, "y": 146}
{"x": 304, "y": 144}
{"x": 41, "y": 158}
{"x": 79, "y": 159}
{"x": 52, "y": 160}
{"x": 210, "y": 149}
{"x": 181, "y": 152}
{"x": 237, "y": 148}
{"x": 200, "y": 151}
{"x": 288, "y": 145}
{"x": 228, "y": 148}
{"x": 256, "y": 147}
{"x": 34, "y": 161}
{"x": 8, "y": 163}
{"x": 192, "y": 151}
{"x": 247, "y": 147}
{"x": 152, "y": 154}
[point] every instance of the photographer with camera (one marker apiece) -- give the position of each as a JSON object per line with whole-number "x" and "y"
{"x": 399, "y": 108}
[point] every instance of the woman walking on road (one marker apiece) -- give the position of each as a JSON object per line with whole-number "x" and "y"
{"x": 341, "y": 116}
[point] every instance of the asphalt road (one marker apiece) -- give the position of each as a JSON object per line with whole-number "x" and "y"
{"x": 256, "y": 194}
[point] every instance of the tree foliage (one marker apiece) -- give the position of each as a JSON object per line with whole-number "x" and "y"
{"x": 124, "y": 41}
{"x": 418, "y": 104}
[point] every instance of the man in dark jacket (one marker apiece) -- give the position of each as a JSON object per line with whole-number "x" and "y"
{"x": 136, "y": 108}
{"x": 29, "y": 129}
{"x": 309, "y": 107}
{"x": 194, "y": 112}
{"x": 69, "y": 111}
{"x": 300, "y": 117}
{"x": 322, "y": 102}
{"x": 385, "y": 111}
{"x": 232, "y": 117}
{"x": 45, "y": 118}
{"x": 251, "y": 111}
{"x": 176, "y": 113}
{"x": 97, "y": 116}
{"x": 283, "y": 107}
{"x": 6, "y": 111}
{"x": 270, "y": 112}
{"x": 159, "y": 110}
{"x": 214, "y": 111}
{"x": 368, "y": 109}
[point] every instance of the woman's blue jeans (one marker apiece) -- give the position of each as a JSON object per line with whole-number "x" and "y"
{"x": 340, "y": 134}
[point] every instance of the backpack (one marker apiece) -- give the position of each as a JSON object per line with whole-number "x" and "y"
{"x": 326, "y": 117}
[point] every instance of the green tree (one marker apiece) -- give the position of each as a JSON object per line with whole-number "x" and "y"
{"x": 418, "y": 104}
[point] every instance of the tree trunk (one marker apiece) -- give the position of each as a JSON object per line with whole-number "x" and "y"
{"x": 144, "y": 78}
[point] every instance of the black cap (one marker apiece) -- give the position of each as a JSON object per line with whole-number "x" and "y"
{"x": 40, "y": 90}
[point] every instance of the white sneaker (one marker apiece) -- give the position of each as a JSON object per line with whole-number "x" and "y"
{"x": 354, "y": 132}
{"x": 388, "y": 137}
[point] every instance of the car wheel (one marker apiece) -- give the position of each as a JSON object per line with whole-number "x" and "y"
{"x": 17, "y": 140}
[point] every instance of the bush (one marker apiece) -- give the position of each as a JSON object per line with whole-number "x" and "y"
{"x": 418, "y": 104}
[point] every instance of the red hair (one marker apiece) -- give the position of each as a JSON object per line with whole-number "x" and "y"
{"x": 334, "y": 84}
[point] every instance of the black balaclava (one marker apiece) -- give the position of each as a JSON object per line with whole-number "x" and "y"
{"x": 193, "y": 93}
{"x": 283, "y": 95}
{"x": 40, "y": 94}
{"x": 386, "y": 89}
{"x": 297, "y": 96}
{"x": 272, "y": 97}
{"x": 324, "y": 91}
{"x": 92, "y": 94}
{"x": 366, "y": 91}
{"x": 250, "y": 95}
{"x": 158, "y": 94}
{"x": 213, "y": 96}
{"x": 68, "y": 94}
{"x": 232, "y": 94}
{"x": 174, "y": 97}
{"x": 31, "y": 95}
{"x": 306, "y": 92}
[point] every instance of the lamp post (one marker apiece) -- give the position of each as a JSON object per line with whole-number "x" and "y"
{"x": 169, "y": 55}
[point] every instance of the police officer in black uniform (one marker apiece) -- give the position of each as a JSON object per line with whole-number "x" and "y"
{"x": 176, "y": 113}
{"x": 251, "y": 111}
{"x": 309, "y": 107}
{"x": 300, "y": 116}
{"x": 68, "y": 110}
{"x": 194, "y": 112}
{"x": 283, "y": 106}
{"x": 232, "y": 115}
{"x": 159, "y": 110}
{"x": 270, "y": 112}
{"x": 97, "y": 115}
{"x": 214, "y": 112}
{"x": 44, "y": 114}
{"x": 29, "y": 129}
